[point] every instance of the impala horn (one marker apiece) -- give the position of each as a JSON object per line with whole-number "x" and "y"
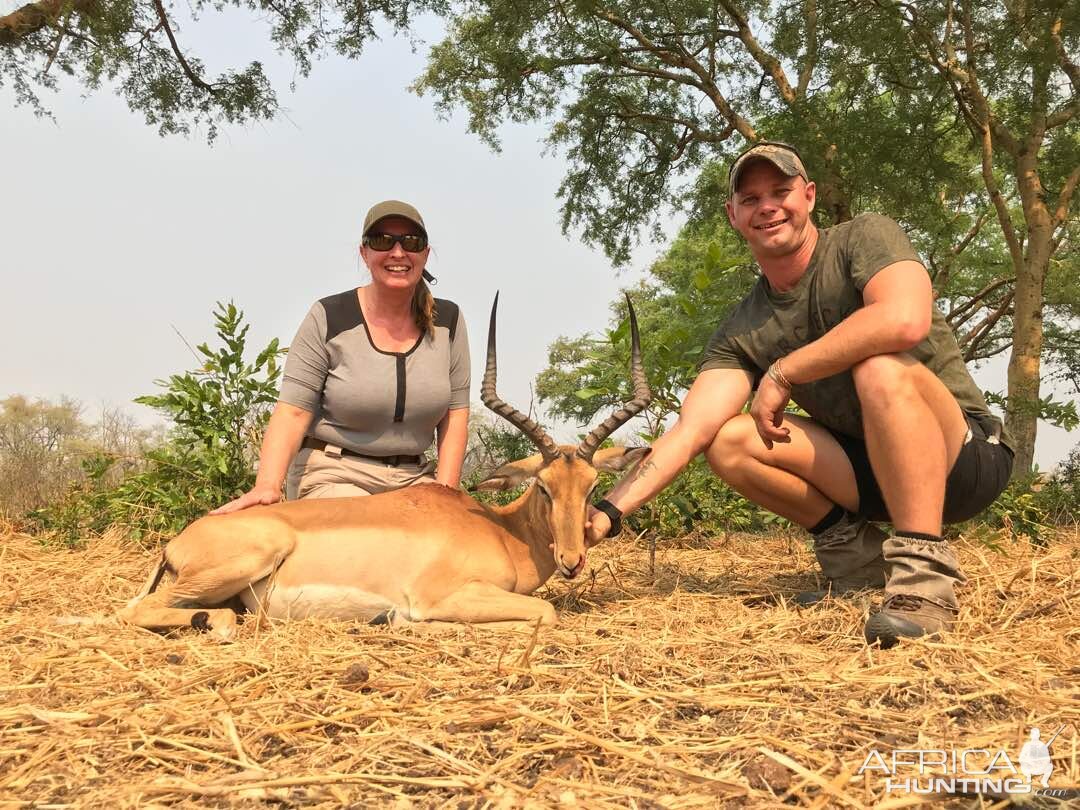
{"x": 548, "y": 449}
{"x": 641, "y": 400}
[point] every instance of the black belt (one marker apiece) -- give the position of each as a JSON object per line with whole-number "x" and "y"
{"x": 392, "y": 461}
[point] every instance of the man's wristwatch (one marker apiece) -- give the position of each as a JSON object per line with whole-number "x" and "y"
{"x": 613, "y": 513}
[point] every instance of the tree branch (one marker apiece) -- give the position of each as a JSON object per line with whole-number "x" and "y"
{"x": 985, "y": 354}
{"x": 56, "y": 45}
{"x": 1070, "y": 67}
{"x": 769, "y": 62}
{"x": 955, "y": 78}
{"x": 683, "y": 60}
{"x": 959, "y": 316}
{"x": 973, "y": 231}
{"x": 193, "y": 77}
{"x": 998, "y": 199}
{"x": 1063, "y": 115}
{"x": 696, "y": 133}
{"x": 32, "y": 17}
{"x": 810, "y": 57}
{"x": 972, "y": 341}
{"x": 985, "y": 113}
{"x": 1065, "y": 197}
{"x": 956, "y": 249}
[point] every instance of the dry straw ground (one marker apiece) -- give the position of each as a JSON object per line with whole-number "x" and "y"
{"x": 697, "y": 687}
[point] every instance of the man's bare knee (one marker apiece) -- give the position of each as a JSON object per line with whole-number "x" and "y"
{"x": 884, "y": 375}
{"x": 732, "y": 445}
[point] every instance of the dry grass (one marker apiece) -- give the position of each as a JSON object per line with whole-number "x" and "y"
{"x": 697, "y": 687}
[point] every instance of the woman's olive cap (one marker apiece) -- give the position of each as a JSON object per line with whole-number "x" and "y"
{"x": 393, "y": 208}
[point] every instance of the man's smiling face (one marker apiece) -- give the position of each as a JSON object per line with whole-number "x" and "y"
{"x": 771, "y": 210}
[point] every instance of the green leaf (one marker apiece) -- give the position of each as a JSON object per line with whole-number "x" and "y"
{"x": 588, "y": 393}
{"x": 688, "y": 306}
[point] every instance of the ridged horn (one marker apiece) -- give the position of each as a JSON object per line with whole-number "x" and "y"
{"x": 527, "y": 426}
{"x": 641, "y": 400}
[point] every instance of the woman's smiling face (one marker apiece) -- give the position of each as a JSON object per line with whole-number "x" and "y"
{"x": 395, "y": 268}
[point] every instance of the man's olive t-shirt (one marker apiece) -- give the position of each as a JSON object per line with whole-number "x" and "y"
{"x": 768, "y": 325}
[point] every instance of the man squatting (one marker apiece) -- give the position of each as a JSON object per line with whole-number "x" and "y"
{"x": 842, "y": 322}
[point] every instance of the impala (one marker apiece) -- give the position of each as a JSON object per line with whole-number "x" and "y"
{"x": 427, "y": 552}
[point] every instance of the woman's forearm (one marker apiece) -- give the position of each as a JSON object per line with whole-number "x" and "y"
{"x": 452, "y": 436}
{"x": 282, "y": 439}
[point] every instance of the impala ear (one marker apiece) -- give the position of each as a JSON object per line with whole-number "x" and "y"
{"x": 513, "y": 474}
{"x": 617, "y": 459}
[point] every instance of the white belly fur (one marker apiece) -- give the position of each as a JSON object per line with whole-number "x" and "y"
{"x": 317, "y": 601}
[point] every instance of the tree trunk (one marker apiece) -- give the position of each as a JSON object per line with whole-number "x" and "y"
{"x": 1022, "y": 412}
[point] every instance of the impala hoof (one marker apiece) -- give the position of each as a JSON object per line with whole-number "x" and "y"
{"x": 201, "y": 621}
{"x": 219, "y": 623}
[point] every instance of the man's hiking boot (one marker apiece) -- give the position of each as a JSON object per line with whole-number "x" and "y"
{"x": 850, "y": 556}
{"x": 920, "y": 596}
{"x": 906, "y": 616}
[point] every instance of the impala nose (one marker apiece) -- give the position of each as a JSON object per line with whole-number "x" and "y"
{"x": 570, "y": 565}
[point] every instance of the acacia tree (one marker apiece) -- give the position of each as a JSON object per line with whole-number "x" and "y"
{"x": 1011, "y": 70}
{"x": 642, "y": 95}
{"x": 138, "y": 47}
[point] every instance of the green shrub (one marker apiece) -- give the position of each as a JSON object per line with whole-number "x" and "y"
{"x": 699, "y": 502}
{"x": 1018, "y": 510}
{"x": 218, "y": 412}
{"x": 1060, "y": 496}
{"x": 1031, "y": 506}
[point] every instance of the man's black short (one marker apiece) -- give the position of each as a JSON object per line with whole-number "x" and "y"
{"x": 979, "y": 475}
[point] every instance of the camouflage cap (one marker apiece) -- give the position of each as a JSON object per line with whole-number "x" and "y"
{"x": 780, "y": 155}
{"x": 393, "y": 208}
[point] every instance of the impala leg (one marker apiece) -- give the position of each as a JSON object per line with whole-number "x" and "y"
{"x": 160, "y": 611}
{"x": 207, "y": 576}
{"x": 481, "y": 602}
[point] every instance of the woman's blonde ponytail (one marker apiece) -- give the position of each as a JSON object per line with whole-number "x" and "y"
{"x": 423, "y": 308}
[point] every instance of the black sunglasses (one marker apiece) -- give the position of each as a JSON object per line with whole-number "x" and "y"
{"x": 382, "y": 242}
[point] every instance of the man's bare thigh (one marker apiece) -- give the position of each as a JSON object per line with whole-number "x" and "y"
{"x": 813, "y": 454}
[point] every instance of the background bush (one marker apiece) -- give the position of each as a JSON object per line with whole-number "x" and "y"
{"x": 45, "y": 448}
{"x": 1034, "y": 505}
{"x": 218, "y": 414}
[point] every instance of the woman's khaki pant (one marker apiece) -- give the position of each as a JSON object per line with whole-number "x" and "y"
{"x": 314, "y": 474}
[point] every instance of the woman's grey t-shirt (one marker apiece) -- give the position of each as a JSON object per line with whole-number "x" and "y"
{"x": 371, "y": 401}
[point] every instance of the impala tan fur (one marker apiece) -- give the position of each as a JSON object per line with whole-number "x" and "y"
{"x": 422, "y": 553}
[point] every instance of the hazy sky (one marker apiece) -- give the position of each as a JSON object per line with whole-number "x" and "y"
{"x": 115, "y": 239}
